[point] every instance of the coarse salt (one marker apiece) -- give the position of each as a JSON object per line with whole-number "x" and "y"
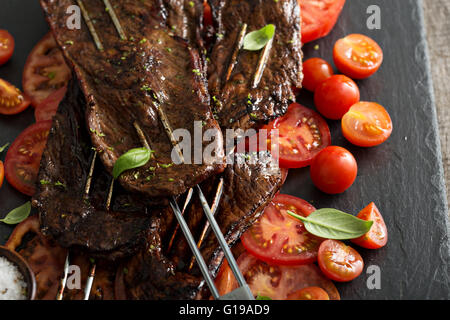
{"x": 12, "y": 285}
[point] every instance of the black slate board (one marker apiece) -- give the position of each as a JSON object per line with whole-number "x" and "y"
{"x": 404, "y": 177}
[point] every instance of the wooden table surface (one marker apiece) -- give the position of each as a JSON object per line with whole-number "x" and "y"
{"x": 438, "y": 33}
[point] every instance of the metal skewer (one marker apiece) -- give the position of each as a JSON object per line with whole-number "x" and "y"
{"x": 90, "y": 25}
{"x": 237, "y": 48}
{"x": 262, "y": 64}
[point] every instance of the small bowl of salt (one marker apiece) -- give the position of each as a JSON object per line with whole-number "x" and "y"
{"x": 17, "y": 281}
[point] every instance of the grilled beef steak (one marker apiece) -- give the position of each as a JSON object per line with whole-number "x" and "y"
{"x": 64, "y": 212}
{"x": 248, "y": 188}
{"x": 237, "y": 103}
{"x": 153, "y": 79}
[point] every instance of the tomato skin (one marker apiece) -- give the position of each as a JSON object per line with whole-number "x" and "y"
{"x": 315, "y": 71}
{"x": 377, "y": 237}
{"x": 367, "y": 124}
{"x": 12, "y": 101}
{"x": 299, "y": 141}
{"x": 334, "y": 170}
{"x": 339, "y": 262}
{"x": 6, "y": 46}
{"x": 24, "y": 156}
{"x": 357, "y": 56}
{"x": 48, "y": 108}
{"x": 2, "y": 173}
{"x": 309, "y": 293}
{"x": 318, "y": 17}
{"x": 277, "y": 238}
{"x": 207, "y": 14}
{"x": 334, "y": 97}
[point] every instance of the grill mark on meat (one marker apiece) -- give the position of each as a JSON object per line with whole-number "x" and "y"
{"x": 238, "y": 104}
{"x": 123, "y": 83}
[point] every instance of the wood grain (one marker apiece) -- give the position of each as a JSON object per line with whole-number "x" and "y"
{"x": 438, "y": 36}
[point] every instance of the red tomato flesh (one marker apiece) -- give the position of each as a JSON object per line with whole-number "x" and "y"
{"x": 377, "y": 236}
{"x": 310, "y": 293}
{"x": 339, "y": 262}
{"x": 278, "y": 238}
{"x": 303, "y": 133}
{"x": 334, "y": 97}
{"x": 45, "y": 71}
{"x": 24, "y": 157}
{"x": 315, "y": 71}
{"x": 6, "y": 46}
{"x": 334, "y": 170}
{"x": 367, "y": 124}
{"x": 319, "y": 17}
{"x": 2, "y": 173}
{"x": 275, "y": 282}
{"x": 357, "y": 56}
{"x": 12, "y": 101}
{"x": 48, "y": 108}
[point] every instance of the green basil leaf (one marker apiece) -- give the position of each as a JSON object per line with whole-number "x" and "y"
{"x": 134, "y": 158}
{"x": 18, "y": 215}
{"x": 257, "y": 40}
{"x": 334, "y": 224}
{"x": 4, "y": 147}
{"x": 263, "y": 298}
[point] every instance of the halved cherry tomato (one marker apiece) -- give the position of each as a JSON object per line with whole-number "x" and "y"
{"x": 357, "y": 56}
{"x": 339, "y": 262}
{"x": 315, "y": 71}
{"x": 275, "y": 282}
{"x": 48, "y": 108}
{"x": 367, "y": 124}
{"x": 2, "y": 173}
{"x": 12, "y": 101}
{"x": 334, "y": 170}
{"x": 284, "y": 174}
{"x": 319, "y": 17}
{"x": 303, "y": 133}
{"x": 310, "y": 293}
{"x": 278, "y": 238}
{"x": 334, "y": 97}
{"x": 6, "y": 46}
{"x": 377, "y": 236}
{"x": 45, "y": 71}
{"x": 24, "y": 157}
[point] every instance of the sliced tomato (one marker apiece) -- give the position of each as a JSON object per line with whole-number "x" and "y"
{"x": 48, "y": 108}
{"x": 303, "y": 133}
{"x": 339, "y": 262}
{"x": 278, "y": 238}
{"x": 334, "y": 170}
{"x": 24, "y": 157}
{"x": 319, "y": 17}
{"x": 315, "y": 71}
{"x": 284, "y": 175}
{"x": 275, "y": 282}
{"x": 335, "y": 96}
{"x": 2, "y": 173}
{"x": 377, "y": 236}
{"x": 367, "y": 124}
{"x": 45, "y": 71}
{"x": 310, "y": 293}
{"x": 12, "y": 101}
{"x": 6, "y": 46}
{"x": 357, "y": 56}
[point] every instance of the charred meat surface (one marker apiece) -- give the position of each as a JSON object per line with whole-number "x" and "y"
{"x": 65, "y": 214}
{"x": 153, "y": 78}
{"x": 248, "y": 188}
{"x": 237, "y": 103}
